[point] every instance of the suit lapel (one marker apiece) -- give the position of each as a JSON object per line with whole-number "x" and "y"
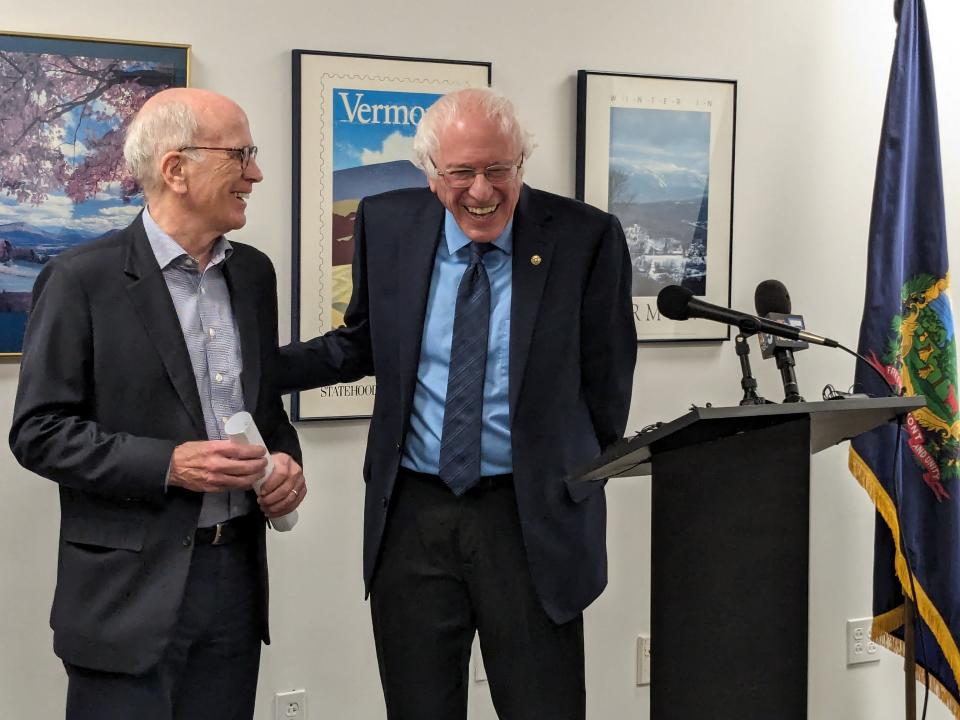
{"x": 149, "y": 294}
{"x": 243, "y": 294}
{"x": 532, "y": 254}
{"x": 414, "y": 253}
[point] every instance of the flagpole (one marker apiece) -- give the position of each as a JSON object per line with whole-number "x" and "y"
{"x": 909, "y": 658}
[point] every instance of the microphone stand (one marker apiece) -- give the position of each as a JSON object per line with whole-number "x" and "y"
{"x": 785, "y": 363}
{"x": 747, "y": 381}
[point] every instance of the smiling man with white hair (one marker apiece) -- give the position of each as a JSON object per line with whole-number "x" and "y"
{"x": 138, "y": 348}
{"x": 498, "y": 322}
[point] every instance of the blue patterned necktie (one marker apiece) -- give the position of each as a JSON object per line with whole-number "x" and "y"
{"x": 463, "y": 409}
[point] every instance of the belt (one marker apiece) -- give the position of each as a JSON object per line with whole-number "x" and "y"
{"x": 486, "y": 482}
{"x": 232, "y": 530}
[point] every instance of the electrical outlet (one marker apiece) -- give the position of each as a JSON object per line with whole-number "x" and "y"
{"x": 643, "y": 660}
{"x": 479, "y": 671}
{"x": 860, "y": 648}
{"x": 290, "y": 705}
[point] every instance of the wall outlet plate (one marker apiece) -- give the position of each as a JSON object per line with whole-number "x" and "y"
{"x": 860, "y": 648}
{"x": 290, "y": 705}
{"x": 643, "y": 660}
{"x": 476, "y": 657}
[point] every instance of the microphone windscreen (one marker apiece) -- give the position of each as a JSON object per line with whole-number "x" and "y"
{"x": 672, "y": 302}
{"x": 771, "y": 296}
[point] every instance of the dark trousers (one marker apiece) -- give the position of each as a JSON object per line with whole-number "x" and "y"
{"x": 209, "y": 670}
{"x": 452, "y": 566}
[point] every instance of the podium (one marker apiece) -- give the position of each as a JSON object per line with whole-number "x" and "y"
{"x": 730, "y": 550}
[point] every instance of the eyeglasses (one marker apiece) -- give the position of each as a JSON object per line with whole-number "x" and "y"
{"x": 243, "y": 154}
{"x": 464, "y": 177}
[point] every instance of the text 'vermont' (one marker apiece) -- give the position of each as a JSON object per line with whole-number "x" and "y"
{"x": 379, "y": 114}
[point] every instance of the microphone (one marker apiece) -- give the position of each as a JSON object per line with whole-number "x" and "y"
{"x": 773, "y": 302}
{"x": 771, "y": 298}
{"x": 678, "y": 303}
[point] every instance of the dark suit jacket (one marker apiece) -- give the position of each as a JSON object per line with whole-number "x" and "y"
{"x": 106, "y": 392}
{"x": 572, "y": 353}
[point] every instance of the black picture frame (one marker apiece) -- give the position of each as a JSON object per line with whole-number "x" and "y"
{"x": 658, "y": 152}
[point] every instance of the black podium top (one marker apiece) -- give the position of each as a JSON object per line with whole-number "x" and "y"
{"x": 831, "y": 422}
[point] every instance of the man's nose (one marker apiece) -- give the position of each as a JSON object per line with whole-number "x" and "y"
{"x": 252, "y": 172}
{"x": 481, "y": 187}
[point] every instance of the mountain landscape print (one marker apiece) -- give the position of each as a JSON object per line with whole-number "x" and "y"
{"x": 659, "y": 190}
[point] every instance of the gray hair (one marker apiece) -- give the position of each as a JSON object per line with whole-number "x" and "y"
{"x": 168, "y": 126}
{"x": 445, "y": 110}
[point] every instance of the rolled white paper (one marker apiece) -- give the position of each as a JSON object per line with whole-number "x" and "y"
{"x": 241, "y": 428}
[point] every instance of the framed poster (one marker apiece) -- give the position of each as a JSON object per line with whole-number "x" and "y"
{"x": 65, "y": 104}
{"x": 657, "y": 152}
{"x": 354, "y": 118}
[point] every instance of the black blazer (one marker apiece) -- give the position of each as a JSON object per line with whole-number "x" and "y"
{"x": 572, "y": 353}
{"x": 106, "y": 392}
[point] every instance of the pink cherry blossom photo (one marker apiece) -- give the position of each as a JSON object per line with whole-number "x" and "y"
{"x": 65, "y": 104}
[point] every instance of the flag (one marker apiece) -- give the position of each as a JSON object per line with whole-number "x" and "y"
{"x": 907, "y": 332}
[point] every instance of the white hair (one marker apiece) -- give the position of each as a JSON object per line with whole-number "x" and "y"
{"x": 445, "y": 110}
{"x": 168, "y": 126}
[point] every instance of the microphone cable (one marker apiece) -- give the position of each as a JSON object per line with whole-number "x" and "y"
{"x": 886, "y": 383}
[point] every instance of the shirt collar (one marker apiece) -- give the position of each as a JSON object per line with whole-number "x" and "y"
{"x": 168, "y": 251}
{"x": 456, "y": 239}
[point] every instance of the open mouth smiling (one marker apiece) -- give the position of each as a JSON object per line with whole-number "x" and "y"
{"x": 481, "y": 211}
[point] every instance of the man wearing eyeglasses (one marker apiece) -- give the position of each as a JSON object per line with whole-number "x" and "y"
{"x": 497, "y": 320}
{"x": 138, "y": 348}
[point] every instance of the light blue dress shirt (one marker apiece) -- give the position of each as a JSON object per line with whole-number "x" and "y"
{"x": 202, "y": 302}
{"x": 421, "y": 451}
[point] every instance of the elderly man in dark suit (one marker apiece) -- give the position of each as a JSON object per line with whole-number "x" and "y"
{"x": 497, "y": 320}
{"x": 138, "y": 348}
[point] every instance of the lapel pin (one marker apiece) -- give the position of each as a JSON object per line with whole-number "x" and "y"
{"x": 536, "y": 260}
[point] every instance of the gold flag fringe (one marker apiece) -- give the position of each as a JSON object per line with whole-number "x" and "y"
{"x": 895, "y": 644}
{"x": 885, "y": 624}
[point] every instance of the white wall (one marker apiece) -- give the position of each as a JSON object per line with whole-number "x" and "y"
{"x": 812, "y": 81}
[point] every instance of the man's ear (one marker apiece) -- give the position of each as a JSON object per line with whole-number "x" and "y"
{"x": 172, "y": 170}
{"x": 432, "y": 181}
